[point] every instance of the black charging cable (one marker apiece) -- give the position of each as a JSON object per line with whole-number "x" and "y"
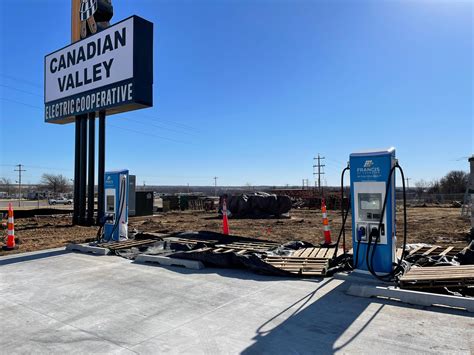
{"x": 375, "y": 233}
{"x": 344, "y": 214}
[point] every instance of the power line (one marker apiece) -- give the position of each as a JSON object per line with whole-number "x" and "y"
{"x": 182, "y": 125}
{"x": 336, "y": 161}
{"x": 157, "y": 126}
{"x": 127, "y": 129}
{"x": 149, "y": 134}
{"x": 21, "y": 80}
{"x": 185, "y": 126}
{"x": 20, "y": 103}
{"x": 38, "y": 167}
{"x": 21, "y": 90}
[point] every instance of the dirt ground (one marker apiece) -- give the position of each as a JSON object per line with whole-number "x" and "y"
{"x": 431, "y": 225}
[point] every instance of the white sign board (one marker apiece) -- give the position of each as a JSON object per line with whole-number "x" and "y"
{"x": 99, "y": 72}
{"x": 97, "y": 61}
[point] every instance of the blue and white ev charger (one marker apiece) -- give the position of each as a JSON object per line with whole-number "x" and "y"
{"x": 116, "y": 206}
{"x": 373, "y": 206}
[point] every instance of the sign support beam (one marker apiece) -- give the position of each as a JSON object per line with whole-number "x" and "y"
{"x": 108, "y": 71}
{"x": 101, "y": 168}
{"x": 91, "y": 173}
{"x": 77, "y": 169}
{"x": 83, "y": 170}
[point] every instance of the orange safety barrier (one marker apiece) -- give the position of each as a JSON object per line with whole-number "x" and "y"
{"x": 327, "y": 230}
{"x": 11, "y": 229}
{"x": 225, "y": 221}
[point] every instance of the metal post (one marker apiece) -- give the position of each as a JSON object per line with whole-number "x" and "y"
{"x": 20, "y": 170}
{"x": 471, "y": 191}
{"x": 101, "y": 168}
{"x": 90, "y": 178}
{"x": 83, "y": 171}
{"x": 77, "y": 168}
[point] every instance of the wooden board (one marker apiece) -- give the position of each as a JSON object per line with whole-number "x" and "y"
{"x": 126, "y": 244}
{"x": 438, "y": 276}
{"x": 190, "y": 241}
{"x": 245, "y": 247}
{"x": 316, "y": 252}
{"x": 305, "y": 266}
{"x": 435, "y": 250}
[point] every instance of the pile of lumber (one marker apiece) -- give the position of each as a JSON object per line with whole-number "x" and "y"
{"x": 305, "y": 262}
{"x": 438, "y": 277}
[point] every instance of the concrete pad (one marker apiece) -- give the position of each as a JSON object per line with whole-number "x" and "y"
{"x": 86, "y": 248}
{"x": 81, "y": 303}
{"x": 412, "y": 297}
{"x": 166, "y": 261}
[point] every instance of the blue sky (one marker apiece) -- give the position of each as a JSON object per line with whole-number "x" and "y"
{"x": 251, "y": 91}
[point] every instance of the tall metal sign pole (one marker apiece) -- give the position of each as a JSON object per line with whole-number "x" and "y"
{"x": 76, "y": 36}
{"x": 88, "y": 16}
{"x": 101, "y": 168}
{"x": 106, "y": 70}
{"x": 471, "y": 191}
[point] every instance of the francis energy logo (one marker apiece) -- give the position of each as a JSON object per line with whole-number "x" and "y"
{"x": 368, "y": 163}
{"x": 369, "y": 170}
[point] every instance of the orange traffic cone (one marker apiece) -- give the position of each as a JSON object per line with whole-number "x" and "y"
{"x": 225, "y": 222}
{"x": 11, "y": 229}
{"x": 327, "y": 231}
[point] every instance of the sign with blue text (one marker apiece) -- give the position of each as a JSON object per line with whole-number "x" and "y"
{"x": 110, "y": 71}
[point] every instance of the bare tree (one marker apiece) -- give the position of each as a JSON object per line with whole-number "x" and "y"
{"x": 421, "y": 186}
{"x": 6, "y": 183}
{"x": 454, "y": 182}
{"x": 435, "y": 187}
{"x": 56, "y": 183}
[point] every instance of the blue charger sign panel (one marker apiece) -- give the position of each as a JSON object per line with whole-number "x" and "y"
{"x": 369, "y": 173}
{"x": 116, "y": 205}
{"x": 111, "y": 70}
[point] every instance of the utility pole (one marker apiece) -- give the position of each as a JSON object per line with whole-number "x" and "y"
{"x": 319, "y": 172}
{"x": 20, "y": 170}
{"x": 408, "y": 184}
{"x": 215, "y": 185}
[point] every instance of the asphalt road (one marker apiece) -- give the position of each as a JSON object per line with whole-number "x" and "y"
{"x": 29, "y": 204}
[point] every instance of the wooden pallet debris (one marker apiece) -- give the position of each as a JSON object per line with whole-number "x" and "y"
{"x": 245, "y": 247}
{"x": 307, "y": 266}
{"x": 438, "y": 276}
{"x": 190, "y": 241}
{"x": 125, "y": 244}
{"x": 436, "y": 250}
{"x": 316, "y": 252}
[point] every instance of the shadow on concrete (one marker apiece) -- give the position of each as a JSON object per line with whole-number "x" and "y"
{"x": 316, "y": 327}
{"x": 18, "y": 258}
{"x": 234, "y": 273}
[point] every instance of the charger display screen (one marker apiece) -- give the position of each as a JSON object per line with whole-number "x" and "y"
{"x": 110, "y": 203}
{"x": 370, "y": 205}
